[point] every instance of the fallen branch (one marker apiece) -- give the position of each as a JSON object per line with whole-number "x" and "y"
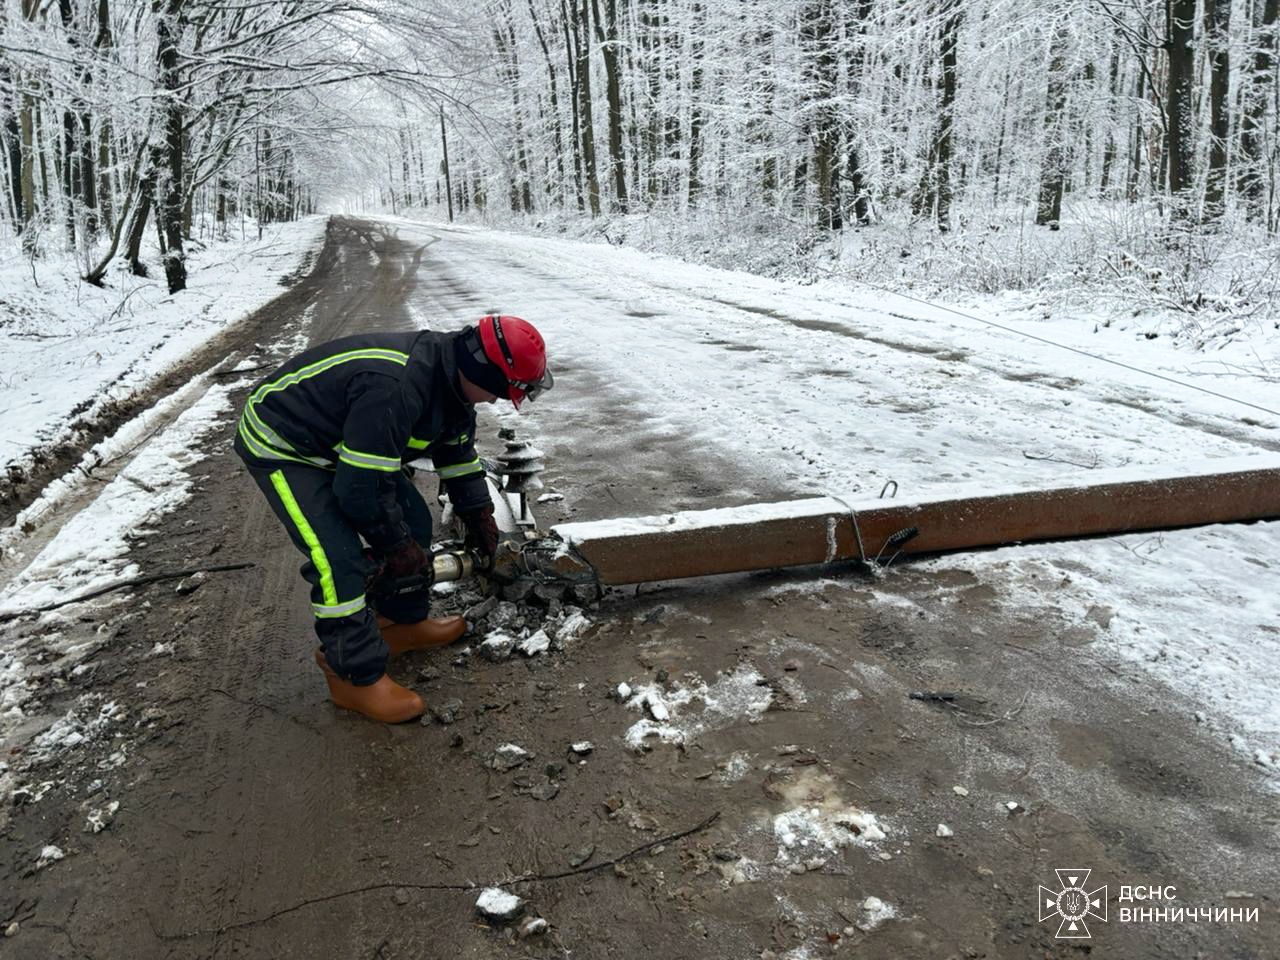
{"x": 1074, "y": 463}
{"x": 236, "y": 371}
{"x": 462, "y": 887}
{"x": 123, "y": 585}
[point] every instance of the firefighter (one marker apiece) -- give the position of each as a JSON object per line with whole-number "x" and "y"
{"x": 328, "y": 436}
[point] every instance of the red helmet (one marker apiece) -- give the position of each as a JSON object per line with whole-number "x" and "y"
{"x": 516, "y": 348}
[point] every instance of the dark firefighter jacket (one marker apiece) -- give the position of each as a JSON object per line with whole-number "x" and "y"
{"x": 363, "y": 406}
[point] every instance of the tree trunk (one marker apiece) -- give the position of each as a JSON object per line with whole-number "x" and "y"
{"x": 1180, "y": 19}
{"x": 607, "y": 35}
{"x": 509, "y": 69}
{"x": 1253, "y": 128}
{"x": 444, "y": 149}
{"x": 650, "y": 44}
{"x": 582, "y": 32}
{"x": 856, "y": 40}
{"x": 573, "y": 54}
{"x": 27, "y": 152}
{"x": 946, "y": 115}
{"x": 1217, "y": 24}
{"x": 1000, "y": 140}
{"x": 1139, "y": 145}
{"x": 818, "y": 43}
{"x": 168, "y": 159}
{"x": 101, "y": 43}
{"x": 142, "y": 210}
{"x": 1053, "y": 169}
{"x": 1109, "y": 151}
{"x": 696, "y": 57}
{"x": 557, "y": 136}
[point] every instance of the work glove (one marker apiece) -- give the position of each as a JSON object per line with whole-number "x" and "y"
{"x": 482, "y": 531}
{"x": 404, "y": 569}
{"x": 406, "y": 559}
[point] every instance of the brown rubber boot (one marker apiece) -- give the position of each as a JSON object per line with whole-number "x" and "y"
{"x": 423, "y": 635}
{"x": 384, "y": 700}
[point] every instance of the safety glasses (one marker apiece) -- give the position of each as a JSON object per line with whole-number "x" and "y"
{"x": 532, "y": 391}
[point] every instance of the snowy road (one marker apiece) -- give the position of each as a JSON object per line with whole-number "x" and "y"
{"x": 256, "y": 821}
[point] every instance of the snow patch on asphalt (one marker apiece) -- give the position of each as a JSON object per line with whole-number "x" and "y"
{"x": 733, "y": 696}
{"x": 806, "y": 832}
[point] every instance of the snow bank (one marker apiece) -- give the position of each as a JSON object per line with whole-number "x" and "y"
{"x": 91, "y": 550}
{"x": 69, "y": 349}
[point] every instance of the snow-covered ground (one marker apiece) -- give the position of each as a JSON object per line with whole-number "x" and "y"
{"x": 70, "y": 348}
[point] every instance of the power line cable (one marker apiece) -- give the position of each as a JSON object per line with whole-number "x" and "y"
{"x": 1083, "y": 353}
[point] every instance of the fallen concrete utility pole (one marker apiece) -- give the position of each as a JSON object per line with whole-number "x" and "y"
{"x": 830, "y": 529}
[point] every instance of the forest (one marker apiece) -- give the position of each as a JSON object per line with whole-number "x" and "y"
{"x": 1154, "y": 121}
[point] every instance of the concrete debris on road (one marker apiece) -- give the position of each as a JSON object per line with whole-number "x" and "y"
{"x": 101, "y": 818}
{"x": 497, "y": 646}
{"x": 874, "y": 912}
{"x": 191, "y": 584}
{"x": 944, "y": 831}
{"x": 447, "y": 712}
{"x": 509, "y": 756}
{"x": 532, "y": 926}
{"x": 535, "y": 644}
{"x": 582, "y": 748}
{"x": 49, "y": 854}
{"x": 499, "y": 906}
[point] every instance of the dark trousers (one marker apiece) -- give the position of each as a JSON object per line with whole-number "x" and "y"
{"x": 337, "y": 568}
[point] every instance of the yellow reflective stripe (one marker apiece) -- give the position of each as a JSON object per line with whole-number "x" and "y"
{"x": 265, "y": 432}
{"x": 327, "y": 588}
{"x": 264, "y": 452}
{"x": 458, "y": 440}
{"x": 331, "y": 611}
{"x": 459, "y": 469}
{"x": 368, "y": 461}
{"x": 416, "y": 444}
{"x": 320, "y": 366}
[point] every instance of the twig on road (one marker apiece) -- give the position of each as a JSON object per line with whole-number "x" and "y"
{"x": 457, "y": 887}
{"x": 991, "y": 720}
{"x": 122, "y": 585}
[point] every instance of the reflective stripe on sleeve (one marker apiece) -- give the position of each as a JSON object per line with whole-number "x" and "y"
{"x": 266, "y": 433}
{"x": 368, "y": 461}
{"x": 263, "y": 451}
{"x": 460, "y": 469}
{"x": 416, "y": 444}
{"x": 327, "y": 588}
